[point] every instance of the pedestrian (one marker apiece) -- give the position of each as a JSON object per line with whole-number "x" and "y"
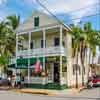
{"x": 13, "y": 82}
{"x": 18, "y": 81}
{"x": 9, "y": 81}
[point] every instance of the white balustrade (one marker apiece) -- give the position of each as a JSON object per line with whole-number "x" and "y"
{"x": 41, "y": 52}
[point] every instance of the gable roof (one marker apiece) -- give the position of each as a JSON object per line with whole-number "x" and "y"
{"x": 45, "y": 20}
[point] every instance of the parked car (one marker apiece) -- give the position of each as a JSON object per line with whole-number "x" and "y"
{"x": 4, "y": 82}
{"x": 94, "y": 81}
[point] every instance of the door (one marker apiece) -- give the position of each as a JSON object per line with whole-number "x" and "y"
{"x": 56, "y": 41}
{"x": 56, "y": 73}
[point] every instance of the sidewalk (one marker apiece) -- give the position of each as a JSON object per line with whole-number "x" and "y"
{"x": 5, "y": 88}
{"x": 51, "y": 92}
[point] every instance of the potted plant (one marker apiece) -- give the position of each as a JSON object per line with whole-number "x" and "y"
{"x": 44, "y": 74}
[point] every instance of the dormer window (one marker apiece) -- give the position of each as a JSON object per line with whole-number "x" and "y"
{"x": 36, "y": 21}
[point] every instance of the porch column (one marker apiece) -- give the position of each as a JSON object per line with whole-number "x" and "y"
{"x": 61, "y": 54}
{"x": 16, "y": 51}
{"x": 44, "y": 46}
{"x": 29, "y": 35}
{"x": 70, "y": 80}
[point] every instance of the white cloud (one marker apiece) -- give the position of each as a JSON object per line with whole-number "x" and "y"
{"x": 65, "y": 6}
{"x": 2, "y": 2}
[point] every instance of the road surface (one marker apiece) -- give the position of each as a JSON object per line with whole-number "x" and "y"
{"x": 91, "y": 94}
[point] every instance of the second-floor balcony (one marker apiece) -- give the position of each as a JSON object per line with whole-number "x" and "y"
{"x": 39, "y": 52}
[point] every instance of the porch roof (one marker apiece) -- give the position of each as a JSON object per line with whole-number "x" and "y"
{"x": 22, "y": 63}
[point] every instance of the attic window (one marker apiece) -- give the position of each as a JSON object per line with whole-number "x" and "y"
{"x": 36, "y": 21}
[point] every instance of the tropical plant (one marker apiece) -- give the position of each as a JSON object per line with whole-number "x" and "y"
{"x": 13, "y": 21}
{"x": 76, "y": 31}
{"x": 92, "y": 40}
{"x": 8, "y": 38}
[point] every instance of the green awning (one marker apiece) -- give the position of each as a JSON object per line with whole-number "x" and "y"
{"x": 23, "y": 62}
{"x": 11, "y": 66}
{"x": 18, "y": 66}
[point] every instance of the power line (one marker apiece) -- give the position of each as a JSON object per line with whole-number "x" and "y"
{"x": 54, "y": 16}
{"x": 86, "y": 7}
{"x": 84, "y": 17}
{"x": 67, "y": 20}
{"x": 60, "y": 21}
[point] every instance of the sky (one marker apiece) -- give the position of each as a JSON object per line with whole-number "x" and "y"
{"x": 69, "y": 11}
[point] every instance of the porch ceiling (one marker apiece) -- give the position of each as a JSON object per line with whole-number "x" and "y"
{"x": 49, "y": 31}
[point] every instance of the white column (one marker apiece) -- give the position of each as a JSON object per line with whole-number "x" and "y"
{"x": 16, "y": 51}
{"x": 60, "y": 54}
{"x": 44, "y": 46}
{"x": 70, "y": 80}
{"x": 29, "y": 35}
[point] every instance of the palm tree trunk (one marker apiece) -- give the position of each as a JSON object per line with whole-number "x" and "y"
{"x": 76, "y": 68}
{"x": 92, "y": 60}
{"x": 82, "y": 55}
{"x": 89, "y": 64}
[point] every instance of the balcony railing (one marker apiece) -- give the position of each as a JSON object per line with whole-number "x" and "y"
{"x": 50, "y": 51}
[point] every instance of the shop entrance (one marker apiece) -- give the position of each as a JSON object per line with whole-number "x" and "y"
{"x": 56, "y": 72}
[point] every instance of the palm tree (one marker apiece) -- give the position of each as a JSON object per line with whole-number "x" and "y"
{"x": 8, "y": 37}
{"x": 85, "y": 36}
{"x": 92, "y": 40}
{"x": 76, "y": 31}
{"x": 13, "y": 21}
{"x": 3, "y": 43}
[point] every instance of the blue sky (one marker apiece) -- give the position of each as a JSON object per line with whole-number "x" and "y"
{"x": 65, "y": 10}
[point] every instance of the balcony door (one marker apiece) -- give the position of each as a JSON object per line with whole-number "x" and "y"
{"x": 32, "y": 44}
{"x": 56, "y": 41}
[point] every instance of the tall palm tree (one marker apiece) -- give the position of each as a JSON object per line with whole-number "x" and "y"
{"x": 76, "y": 31}
{"x": 13, "y": 22}
{"x": 3, "y": 43}
{"x": 92, "y": 40}
{"x": 8, "y": 37}
{"x": 84, "y": 38}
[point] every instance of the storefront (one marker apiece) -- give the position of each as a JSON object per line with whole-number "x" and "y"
{"x": 51, "y": 75}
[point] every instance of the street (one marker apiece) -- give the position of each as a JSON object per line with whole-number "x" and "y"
{"x": 91, "y": 94}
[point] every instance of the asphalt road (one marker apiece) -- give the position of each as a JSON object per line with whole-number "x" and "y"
{"x": 92, "y": 94}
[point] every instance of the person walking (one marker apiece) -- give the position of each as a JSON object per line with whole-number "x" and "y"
{"x": 18, "y": 81}
{"x": 13, "y": 82}
{"x": 9, "y": 81}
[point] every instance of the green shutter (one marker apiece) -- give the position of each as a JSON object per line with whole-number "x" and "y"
{"x": 36, "y": 21}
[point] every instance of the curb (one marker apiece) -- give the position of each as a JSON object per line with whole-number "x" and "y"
{"x": 46, "y": 92}
{"x": 35, "y": 92}
{"x": 38, "y": 92}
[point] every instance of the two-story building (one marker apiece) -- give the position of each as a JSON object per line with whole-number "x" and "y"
{"x": 43, "y": 38}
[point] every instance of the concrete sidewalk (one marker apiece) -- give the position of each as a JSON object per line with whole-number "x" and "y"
{"x": 51, "y": 92}
{"x": 5, "y": 88}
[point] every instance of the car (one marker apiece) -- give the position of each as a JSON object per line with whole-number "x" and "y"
{"x": 94, "y": 81}
{"x": 4, "y": 82}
